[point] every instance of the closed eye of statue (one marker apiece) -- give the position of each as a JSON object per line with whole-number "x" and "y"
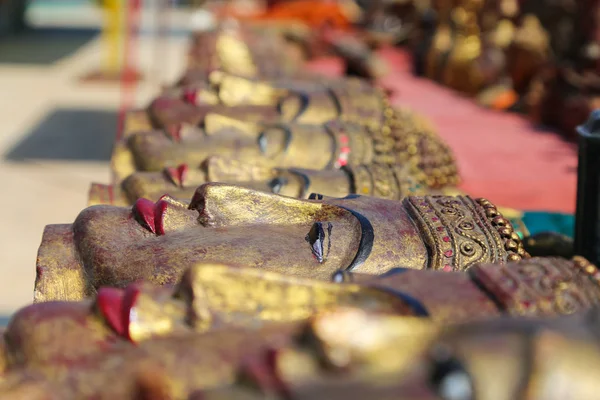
{"x": 449, "y": 378}
{"x": 319, "y": 239}
{"x": 273, "y": 141}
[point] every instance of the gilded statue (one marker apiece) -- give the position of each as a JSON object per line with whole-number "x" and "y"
{"x": 157, "y": 241}
{"x": 565, "y": 93}
{"x": 228, "y": 332}
{"x": 335, "y": 137}
{"x": 274, "y": 50}
{"x": 537, "y": 359}
{"x": 486, "y": 49}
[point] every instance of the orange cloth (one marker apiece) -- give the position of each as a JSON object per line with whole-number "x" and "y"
{"x": 313, "y": 13}
{"x": 505, "y": 100}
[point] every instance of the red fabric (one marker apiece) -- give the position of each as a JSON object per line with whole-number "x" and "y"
{"x": 501, "y": 156}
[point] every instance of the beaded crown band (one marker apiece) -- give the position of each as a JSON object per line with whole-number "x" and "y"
{"x": 401, "y": 137}
{"x": 540, "y": 286}
{"x": 461, "y": 232}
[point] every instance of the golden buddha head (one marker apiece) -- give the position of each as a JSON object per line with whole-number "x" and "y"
{"x": 186, "y": 363}
{"x": 492, "y": 359}
{"x": 313, "y": 100}
{"x": 312, "y": 238}
{"x": 399, "y": 155}
{"x": 340, "y": 353}
{"x": 379, "y": 180}
{"x": 257, "y": 121}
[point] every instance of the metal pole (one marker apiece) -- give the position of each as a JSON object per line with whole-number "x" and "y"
{"x": 587, "y": 224}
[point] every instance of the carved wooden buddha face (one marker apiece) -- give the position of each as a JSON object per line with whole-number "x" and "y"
{"x": 302, "y": 146}
{"x": 105, "y": 364}
{"x": 240, "y": 50}
{"x": 390, "y": 182}
{"x": 60, "y": 350}
{"x": 498, "y": 359}
{"x": 181, "y": 182}
{"x": 303, "y": 100}
{"x": 249, "y": 125}
{"x": 312, "y": 238}
{"x": 338, "y": 354}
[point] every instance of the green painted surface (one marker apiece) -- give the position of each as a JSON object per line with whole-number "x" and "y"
{"x": 539, "y": 221}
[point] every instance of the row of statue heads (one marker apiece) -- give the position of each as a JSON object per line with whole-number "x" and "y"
{"x": 295, "y": 237}
{"x": 538, "y": 57}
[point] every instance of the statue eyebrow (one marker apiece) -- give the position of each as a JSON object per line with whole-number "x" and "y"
{"x": 367, "y": 238}
{"x": 305, "y": 179}
{"x": 286, "y": 131}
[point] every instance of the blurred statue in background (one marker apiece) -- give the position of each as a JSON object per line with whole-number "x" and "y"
{"x": 567, "y": 91}
{"x": 334, "y": 137}
{"x": 226, "y": 332}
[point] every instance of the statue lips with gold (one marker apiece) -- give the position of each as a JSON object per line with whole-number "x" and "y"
{"x": 313, "y": 238}
{"x": 223, "y": 322}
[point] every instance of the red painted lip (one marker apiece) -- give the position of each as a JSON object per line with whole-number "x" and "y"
{"x": 177, "y": 175}
{"x": 151, "y": 215}
{"x": 263, "y": 371}
{"x": 116, "y": 306}
{"x": 174, "y": 132}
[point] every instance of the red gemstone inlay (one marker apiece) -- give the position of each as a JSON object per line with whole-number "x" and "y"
{"x": 447, "y": 268}
{"x": 446, "y": 239}
{"x": 448, "y": 253}
{"x": 435, "y": 219}
{"x": 440, "y": 228}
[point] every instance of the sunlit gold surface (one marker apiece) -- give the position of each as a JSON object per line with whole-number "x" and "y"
{"x": 222, "y": 322}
